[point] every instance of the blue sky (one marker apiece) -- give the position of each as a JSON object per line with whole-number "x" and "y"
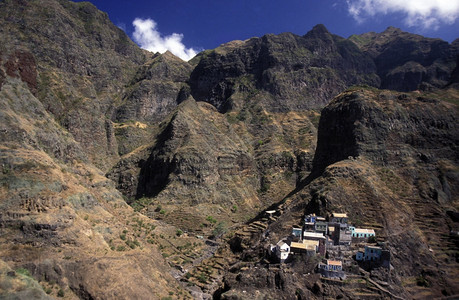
{"x": 205, "y": 24}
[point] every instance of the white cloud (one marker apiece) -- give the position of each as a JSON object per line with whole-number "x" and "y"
{"x": 428, "y": 14}
{"x": 149, "y": 38}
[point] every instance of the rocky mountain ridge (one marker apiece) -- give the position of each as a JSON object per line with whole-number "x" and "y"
{"x": 199, "y": 148}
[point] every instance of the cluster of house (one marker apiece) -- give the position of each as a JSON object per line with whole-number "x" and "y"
{"x": 319, "y": 234}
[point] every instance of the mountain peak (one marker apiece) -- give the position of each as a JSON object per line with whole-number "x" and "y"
{"x": 392, "y": 29}
{"x": 318, "y": 30}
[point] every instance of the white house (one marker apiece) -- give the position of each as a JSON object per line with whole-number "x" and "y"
{"x": 282, "y": 250}
{"x": 361, "y": 232}
{"x": 314, "y": 236}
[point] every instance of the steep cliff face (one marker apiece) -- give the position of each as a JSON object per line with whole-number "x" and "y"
{"x": 78, "y": 63}
{"x": 61, "y": 219}
{"x": 197, "y": 160}
{"x": 155, "y": 90}
{"x": 292, "y": 72}
{"x": 407, "y": 62}
{"x": 389, "y": 160}
{"x": 403, "y": 127}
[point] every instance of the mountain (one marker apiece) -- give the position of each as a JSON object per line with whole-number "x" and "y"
{"x": 405, "y": 61}
{"x": 283, "y": 72}
{"x": 128, "y": 174}
{"x": 82, "y": 63}
{"x": 389, "y": 160}
{"x": 64, "y": 227}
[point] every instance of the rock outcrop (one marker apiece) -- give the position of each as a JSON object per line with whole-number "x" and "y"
{"x": 75, "y": 61}
{"x": 291, "y": 72}
{"x": 407, "y": 62}
{"x": 388, "y": 160}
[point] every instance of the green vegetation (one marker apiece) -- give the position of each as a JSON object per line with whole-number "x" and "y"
{"x": 179, "y": 232}
{"x": 264, "y": 187}
{"x": 6, "y": 170}
{"x": 24, "y": 272}
{"x": 132, "y": 243}
{"x": 243, "y": 115}
{"x": 231, "y": 118}
{"x": 61, "y": 293}
{"x": 202, "y": 277}
{"x": 219, "y": 229}
{"x": 141, "y": 203}
{"x": 211, "y": 219}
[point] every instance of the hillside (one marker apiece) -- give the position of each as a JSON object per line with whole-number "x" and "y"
{"x": 389, "y": 160}
{"x": 129, "y": 174}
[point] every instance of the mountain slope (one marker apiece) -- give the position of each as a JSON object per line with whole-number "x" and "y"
{"x": 388, "y": 160}
{"x": 60, "y": 218}
{"x": 407, "y": 62}
{"x": 290, "y": 72}
{"x": 202, "y": 148}
{"x": 82, "y": 62}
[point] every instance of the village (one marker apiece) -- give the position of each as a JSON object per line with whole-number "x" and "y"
{"x": 335, "y": 241}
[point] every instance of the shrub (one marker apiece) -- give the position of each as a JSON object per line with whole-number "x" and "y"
{"x": 61, "y": 293}
{"x": 264, "y": 187}
{"x": 211, "y": 219}
{"x": 179, "y": 232}
{"x": 23, "y": 271}
{"x": 202, "y": 278}
{"x": 219, "y": 229}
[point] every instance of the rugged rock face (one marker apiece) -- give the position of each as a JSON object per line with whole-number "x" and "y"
{"x": 402, "y": 126}
{"x": 154, "y": 91}
{"x": 404, "y": 149}
{"x": 218, "y": 164}
{"x": 292, "y": 72}
{"x": 60, "y": 218}
{"x": 198, "y": 160}
{"x": 407, "y": 62}
{"x": 388, "y": 160}
{"x": 75, "y": 61}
